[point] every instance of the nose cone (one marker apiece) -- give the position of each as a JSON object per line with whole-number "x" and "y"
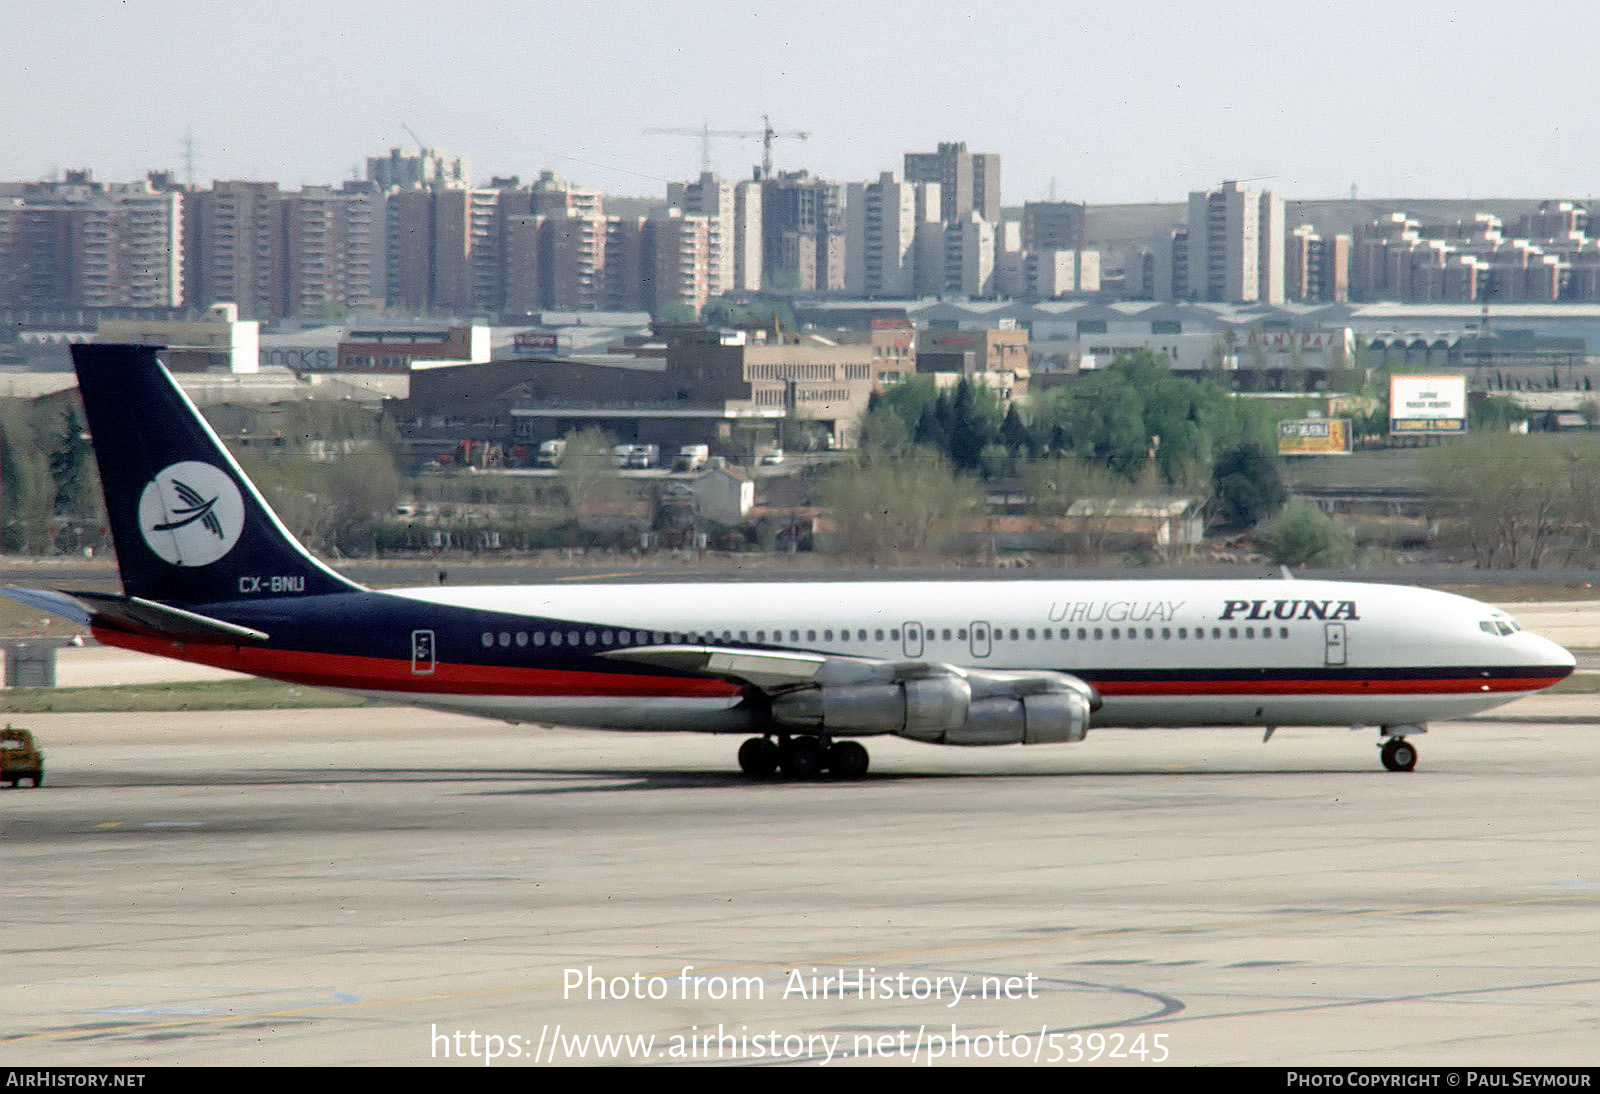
{"x": 1546, "y": 654}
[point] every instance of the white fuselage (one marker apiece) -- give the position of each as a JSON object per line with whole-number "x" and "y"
{"x": 1160, "y": 652}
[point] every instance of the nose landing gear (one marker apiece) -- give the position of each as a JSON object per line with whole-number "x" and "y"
{"x": 1398, "y": 754}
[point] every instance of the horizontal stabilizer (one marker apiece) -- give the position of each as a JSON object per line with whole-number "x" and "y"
{"x": 134, "y": 615}
{"x": 48, "y": 600}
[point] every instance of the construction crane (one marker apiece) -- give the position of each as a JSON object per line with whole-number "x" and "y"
{"x": 766, "y": 133}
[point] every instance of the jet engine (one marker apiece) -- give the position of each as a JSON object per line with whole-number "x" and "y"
{"x": 949, "y": 709}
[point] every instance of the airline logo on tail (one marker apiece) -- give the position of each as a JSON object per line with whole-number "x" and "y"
{"x": 191, "y": 514}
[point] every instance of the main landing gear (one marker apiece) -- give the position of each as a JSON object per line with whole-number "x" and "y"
{"x": 802, "y": 756}
{"x": 1399, "y": 754}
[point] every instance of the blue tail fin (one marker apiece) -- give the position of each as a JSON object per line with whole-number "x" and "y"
{"x": 189, "y": 527}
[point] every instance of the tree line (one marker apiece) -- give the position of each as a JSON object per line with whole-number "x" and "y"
{"x": 929, "y": 455}
{"x": 1505, "y": 501}
{"x": 927, "y": 461}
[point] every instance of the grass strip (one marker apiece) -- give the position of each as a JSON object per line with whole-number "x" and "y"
{"x": 195, "y": 695}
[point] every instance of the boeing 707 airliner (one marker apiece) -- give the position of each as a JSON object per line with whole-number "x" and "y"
{"x": 210, "y": 575}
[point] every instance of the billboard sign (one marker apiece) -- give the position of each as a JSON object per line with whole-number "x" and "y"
{"x": 534, "y": 343}
{"x": 1314, "y": 437}
{"x": 1427, "y": 404}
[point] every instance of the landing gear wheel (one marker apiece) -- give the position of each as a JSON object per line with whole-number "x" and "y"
{"x": 847, "y": 760}
{"x": 758, "y": 757}
{"x": 801, "y": 757}
{"x": 1399, "y": 754}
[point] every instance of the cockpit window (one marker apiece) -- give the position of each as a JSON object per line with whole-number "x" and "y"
{"x": 1500, "y": 627}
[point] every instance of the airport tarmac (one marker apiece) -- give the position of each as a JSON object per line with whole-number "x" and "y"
{"x": 389, "y": 886}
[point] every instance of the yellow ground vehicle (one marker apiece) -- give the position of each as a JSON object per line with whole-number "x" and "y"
{"x": 20, "y": 758}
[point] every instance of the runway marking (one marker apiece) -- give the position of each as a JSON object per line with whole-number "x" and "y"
{"x": 1118, "y": 932}
{"x": 1369, "y": 1000}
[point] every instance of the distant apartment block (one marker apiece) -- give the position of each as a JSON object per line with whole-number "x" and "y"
{"x": 1050, "y": 273}
{"x": 682, "y": 251}
{"x": 968, "y": 181}
{"x": 629, "y": 264}
{"x": 881, "y": 222}
{"x": 747, "y": 246}
{"x": 80, "y": 243}
{"x": 970, "y": 256}
{"x": 423, "y": 169}
{"x": 1054, "y": 226}
{"x": 334, "y": 249}
{"x": 417, "y": 236}
{"x": 1317, "y": 269}
{"x": 523, "y": 266}
{"x": 1235, "y": 245}
{"x": 714, "y": 199}
{"x": 1548, "y": 258}
{"x": 802, "y": 233}
{"x": 572, "y": 242}
{"x": 236, "y": 231}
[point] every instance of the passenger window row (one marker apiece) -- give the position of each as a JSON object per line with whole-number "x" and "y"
{"x": 623, "y": 638}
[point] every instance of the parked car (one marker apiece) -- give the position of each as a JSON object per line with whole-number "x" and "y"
{"x": 692, "y": 457}
{"x": 20, "y": 758}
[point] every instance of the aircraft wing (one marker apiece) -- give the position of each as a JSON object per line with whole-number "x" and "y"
{"x": 763, "y": 669}
{"x": 134, "y": 615}
{"x": 777, "y": 670}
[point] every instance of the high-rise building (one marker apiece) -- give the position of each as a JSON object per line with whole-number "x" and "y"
{"x": 1054, "y": 226}
{"x": 1315, "y": 268}
{"x": 802, "y": 233}
{"x": 408, "y": 248}
{"x": 681, "y": 245}
{"x": 237, "y": 231}
{"x": 1236, "y": 245}
{"x": 630, "y": 264}
{"x": 424, "y": 169}
{"x": 881, "y": 221}
{"x": 712, "y": 198}
{"x": 573, "y": 254}
{"x": 970, "y": 256}
{"x": 128, "y": 247}
{"x": 523, "y": 269}
{"x": 468, "y": 257}
{"x": 82, "y": 244}
{"x": 1303, "y": 268}
{"x": 1556, "y": 220}
{"x": 747, "y": 250}
{"x": 334, "y": 249}
{"x": 968, "y": 181}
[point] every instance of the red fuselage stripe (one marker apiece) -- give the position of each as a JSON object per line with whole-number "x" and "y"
{"x": 385, "y": 674}
{"x": 1461, "y": 685}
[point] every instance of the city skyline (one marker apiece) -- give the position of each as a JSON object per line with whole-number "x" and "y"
{"x": 1143, "y": 104}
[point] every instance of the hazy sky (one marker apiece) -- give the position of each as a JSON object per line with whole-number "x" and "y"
{"x": 1133, "y": 101}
